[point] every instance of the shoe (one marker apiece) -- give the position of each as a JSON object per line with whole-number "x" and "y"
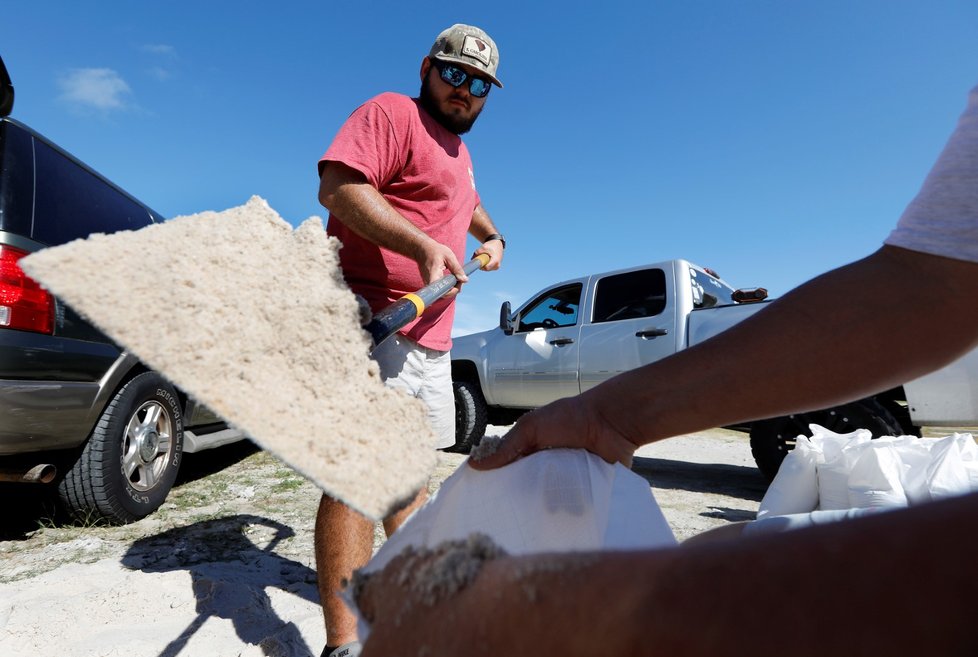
{"x": 351, "y": 649}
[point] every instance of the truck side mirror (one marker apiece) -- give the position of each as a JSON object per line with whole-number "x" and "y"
{"x": 505, "y": 319}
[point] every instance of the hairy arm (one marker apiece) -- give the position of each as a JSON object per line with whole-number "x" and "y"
{"x": 851, "y": 332}
{"x": 345, "y": 192}
{"x": 829, "y": 590}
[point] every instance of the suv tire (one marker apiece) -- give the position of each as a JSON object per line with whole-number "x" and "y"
{"x": 130, "y": 461}
{"x": 470, "y": 415}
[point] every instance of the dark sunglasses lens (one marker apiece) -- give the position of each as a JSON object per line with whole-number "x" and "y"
{"x": 453, "y": 75}
{"x": 479, "y": 87}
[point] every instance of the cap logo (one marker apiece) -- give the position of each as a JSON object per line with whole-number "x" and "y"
{"x": 477, "y": 48}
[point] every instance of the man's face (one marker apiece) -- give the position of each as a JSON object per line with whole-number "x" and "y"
{"x": 453, "y": 107}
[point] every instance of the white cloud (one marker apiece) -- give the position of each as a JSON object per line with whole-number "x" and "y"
{"x": 164, "y": 57}
{"x": 160, "y": 49}
{"x": 95, "y": 88}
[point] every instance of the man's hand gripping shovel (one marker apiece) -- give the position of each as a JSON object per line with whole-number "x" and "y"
{"x": 405, "y": 310}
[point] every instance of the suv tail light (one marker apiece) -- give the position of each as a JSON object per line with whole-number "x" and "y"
{"x": 24, "y": 304}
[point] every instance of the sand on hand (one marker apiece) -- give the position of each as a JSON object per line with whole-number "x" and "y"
{"x": 255, "y": 320}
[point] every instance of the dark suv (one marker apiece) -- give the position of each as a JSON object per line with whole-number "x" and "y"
{"x": 76, "y": 411}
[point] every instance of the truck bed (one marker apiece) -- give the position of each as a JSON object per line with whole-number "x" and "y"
{"x": 704, "y": 323}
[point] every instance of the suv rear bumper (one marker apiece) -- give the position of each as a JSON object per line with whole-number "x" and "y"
{"x": 44, "y": 415}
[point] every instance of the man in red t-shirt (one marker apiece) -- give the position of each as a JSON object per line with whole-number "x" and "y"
{"x": 398, "y": 183}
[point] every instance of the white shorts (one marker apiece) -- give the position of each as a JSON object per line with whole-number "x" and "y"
{"x": 422, "y": 373}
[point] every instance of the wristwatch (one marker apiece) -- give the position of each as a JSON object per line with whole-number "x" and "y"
{"x": 495, "y": 236}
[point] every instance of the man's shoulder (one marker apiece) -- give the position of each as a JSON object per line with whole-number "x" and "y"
{"x": 393, "y": 102}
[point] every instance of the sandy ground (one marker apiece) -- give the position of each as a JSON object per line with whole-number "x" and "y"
{"x": 226, "y": 568}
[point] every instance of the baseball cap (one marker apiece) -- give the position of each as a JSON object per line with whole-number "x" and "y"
{"x": 465, "y": 44}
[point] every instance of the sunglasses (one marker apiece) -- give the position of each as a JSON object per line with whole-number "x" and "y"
{"x": 455, "y": 76}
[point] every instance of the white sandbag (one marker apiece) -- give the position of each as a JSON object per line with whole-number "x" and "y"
{"x": 795, "y": 487}
{"x": 839, "y": 451}
{"x": 854, "y": 474}
{"x": 915, "y": 458}
{"x": 558, "y": 500}
{"x": 969, "y": 457}
{"x": 852, "y": 470}
{"x": 875, "y": 477}
{"x": 946, "y": 473}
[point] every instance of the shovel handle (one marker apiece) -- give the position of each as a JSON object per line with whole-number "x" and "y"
{"x": 405, "y": 310}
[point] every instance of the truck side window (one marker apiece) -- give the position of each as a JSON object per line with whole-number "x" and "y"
{"x": 630, "y": 295}
{"x": 553, "y": 309}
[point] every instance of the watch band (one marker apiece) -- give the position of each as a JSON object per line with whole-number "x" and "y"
{"x": 495, "y": 236}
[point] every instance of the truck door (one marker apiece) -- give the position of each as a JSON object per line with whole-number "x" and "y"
{"x": 541, "y": 354}
{"x": 631, "y": 325}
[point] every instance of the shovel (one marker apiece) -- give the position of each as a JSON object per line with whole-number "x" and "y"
{"x": 405, "y": 310}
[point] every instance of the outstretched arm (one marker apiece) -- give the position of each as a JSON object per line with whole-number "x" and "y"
{"x": 851, "y": 332}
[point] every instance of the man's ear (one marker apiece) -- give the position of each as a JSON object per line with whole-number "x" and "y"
{"x": 425, "y": 67}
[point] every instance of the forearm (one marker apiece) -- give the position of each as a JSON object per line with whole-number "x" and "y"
{"x": 348, "y": 196}
{"x": 366, "y": 212}
{"x": 754, "y": 596}
{"x": 852, "y": 587}
{"x": 842, "y": 336}
{"x": 482, "y": 225}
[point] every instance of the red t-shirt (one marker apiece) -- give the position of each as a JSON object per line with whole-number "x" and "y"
{"x": 425, "y": 173}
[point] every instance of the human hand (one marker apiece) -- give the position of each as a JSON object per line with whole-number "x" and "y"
{"x": 574, "y": 422}
{"x": 433, "y": 259}
{"x": 494, "y": 249}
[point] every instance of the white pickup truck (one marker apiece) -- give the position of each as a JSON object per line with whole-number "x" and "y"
{"x": 573, "y": 335}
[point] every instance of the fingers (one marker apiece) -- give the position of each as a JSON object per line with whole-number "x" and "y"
{"x": 522, "y": 440}
{"x": 494, "y": 250}
{"x": 435, "y": 259}
{"x": 564, "y": 423}
{"x": 453, "y": 265}
{"x": 501, "y": 451}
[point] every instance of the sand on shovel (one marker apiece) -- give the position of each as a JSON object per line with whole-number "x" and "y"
{"x": 255, "y": 320}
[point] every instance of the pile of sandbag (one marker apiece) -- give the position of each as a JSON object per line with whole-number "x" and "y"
{"x": 832, "y": 471}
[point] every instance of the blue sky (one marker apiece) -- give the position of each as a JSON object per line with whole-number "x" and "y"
{"x": 770, "y": 140}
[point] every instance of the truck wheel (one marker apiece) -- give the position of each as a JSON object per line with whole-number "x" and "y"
{"x": 771, "y": 440}
{"x": 901, "y": 414}
{"x": 470, "y": 415}
{"x": 130, "y": 461}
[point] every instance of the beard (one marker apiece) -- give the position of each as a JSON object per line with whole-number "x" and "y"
{"x": 454, "y": 123}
